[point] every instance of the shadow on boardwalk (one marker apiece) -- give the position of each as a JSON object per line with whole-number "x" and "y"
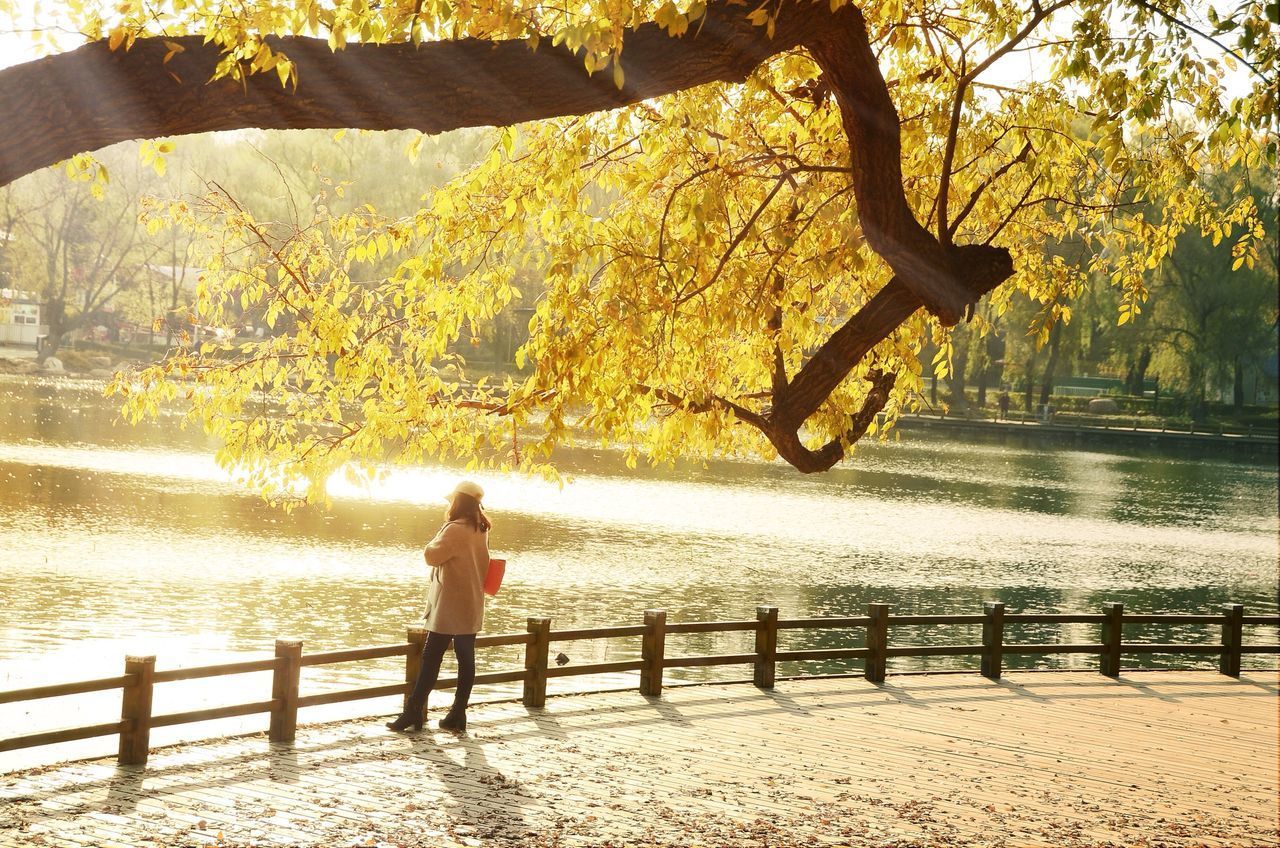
{"x": 1063, "y": 759}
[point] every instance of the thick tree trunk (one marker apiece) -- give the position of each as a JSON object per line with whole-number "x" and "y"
{"x": 1046, "y": 382}
{"x": 1136, "y": 378}
{"x": 956, "y": 381}
{"x": 871, "y": 121}
{"x": 92, "y": 97}
{"x": 1029, "y": 388}
{"x": 1237, "y": 386}
{"x": 1196, "y": 396}
{"x": 55, "y": 313}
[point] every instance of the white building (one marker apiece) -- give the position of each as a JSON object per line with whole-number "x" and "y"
{"x": 20, "y": 318}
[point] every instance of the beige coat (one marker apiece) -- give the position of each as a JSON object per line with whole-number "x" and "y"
{"x": 459, "y": 558}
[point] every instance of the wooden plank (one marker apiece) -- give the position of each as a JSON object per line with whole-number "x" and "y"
{"x": 823, "y": 623}
{"x": 877, "y": 642}
{"x": 416, "y": 643}
{"x": 352, "y": 695}
{"x": 1053, "y": 618}
{"x": 1170, "y": 648}
{"x": 55, "y": 690}
{"x": 500, "y": 677}
{"x": 51, "y": 737}
{"x": 1056, "y": 648}
{"x": 912, "y": 620}
{"x": 1112, "y": 638}
{"x": 135, "y": 711}
{"x": 169, "y": 675}
{"x": 934, "y": 651}
{"x": 596, "y": 633}
{"x": 596, "y": 668}
{"x": 211, "y": 713}
{"x": 821, "y": 654}
{"x": 1129, "y": 618}
{"x": 535, "y": 661}
{"x": 763, "y": 673}
{"x": 992, "y": 640}
{"x": 712, "y": 626}
{"x": 1232, "y": 622}
{"x": 704, "y": 660}
{"x": 502, "y": 639}
{"x": 355, "y": 654}
{"x": 284, "y": 691}
{"x": 652, "y": 652}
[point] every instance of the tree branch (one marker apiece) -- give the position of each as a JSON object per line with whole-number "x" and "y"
{"x": 1155, "y": 10}
{"x": 870, "y": 120}
{"x": 808, "y": 461}
{"x": 986, "y": 184}
{"x": 92, "y": 97}
{"x": 962, "y": 84}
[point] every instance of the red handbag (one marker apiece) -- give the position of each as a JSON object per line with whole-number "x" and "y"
{"x": 493, "y": 577}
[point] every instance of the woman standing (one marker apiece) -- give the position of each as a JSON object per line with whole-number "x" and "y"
{"x": 458, "y": 557}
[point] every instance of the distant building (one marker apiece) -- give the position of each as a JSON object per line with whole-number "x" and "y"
{"x": 1081, "y": 386}
{"x": 1259, "y": 383}
{"x": 20, "y": 318}
{"x": 183, "y": 277}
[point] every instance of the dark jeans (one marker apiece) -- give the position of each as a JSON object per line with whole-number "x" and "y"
{"x": 464, "y": 648}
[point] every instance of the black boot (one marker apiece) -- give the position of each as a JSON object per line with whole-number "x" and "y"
{"x": 455, "y": 720}
{"x": 408, "y": 718}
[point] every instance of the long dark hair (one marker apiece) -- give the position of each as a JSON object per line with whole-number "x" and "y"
{"x": 468, "y": 509}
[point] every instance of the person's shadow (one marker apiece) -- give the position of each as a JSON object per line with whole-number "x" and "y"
{"x": 489, "y": 803}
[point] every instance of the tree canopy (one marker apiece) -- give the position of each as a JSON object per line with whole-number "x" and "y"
{"x": 746, "y": 220}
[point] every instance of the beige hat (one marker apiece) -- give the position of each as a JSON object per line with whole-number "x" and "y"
{"x": 466, "y": 487}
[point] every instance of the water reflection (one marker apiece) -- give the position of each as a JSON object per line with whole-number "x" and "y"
{"x": 119, "y": 540}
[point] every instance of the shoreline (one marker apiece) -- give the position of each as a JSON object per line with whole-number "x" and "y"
{"x": 1062, "y": 433}
{"x": 1119, "y": 439}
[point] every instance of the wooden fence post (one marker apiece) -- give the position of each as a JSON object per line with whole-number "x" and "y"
{"x": 653, "y": 650}
{"x": 1112, "y": 636}
{"x": 992, "y": 639}
{"x": 417, "y": 638}
{"x": 535, "y": 662}
{"x": 877, "y": 641}
{"x": 766, "y": 646}
{"x": 1232, "y": 639}
{"x": 284, "y": 691}
{"x": 135, "y": 711}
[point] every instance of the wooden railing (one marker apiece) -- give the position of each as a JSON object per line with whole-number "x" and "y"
{"x": 140, "y": 675}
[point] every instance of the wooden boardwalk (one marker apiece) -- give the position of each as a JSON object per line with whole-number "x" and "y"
{"x": 1054, "y": 759}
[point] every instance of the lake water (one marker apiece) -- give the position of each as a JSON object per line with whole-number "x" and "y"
{"x": 118, "y": 540}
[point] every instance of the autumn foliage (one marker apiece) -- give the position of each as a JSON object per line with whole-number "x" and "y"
{"x": 744, "y": 223}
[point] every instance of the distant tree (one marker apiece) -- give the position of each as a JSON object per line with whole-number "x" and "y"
{"x": 83, "y": 246}
{"x": 1214, "y": 309}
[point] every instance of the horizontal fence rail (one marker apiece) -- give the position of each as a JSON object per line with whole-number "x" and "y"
{"x": 140, "y": 676}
